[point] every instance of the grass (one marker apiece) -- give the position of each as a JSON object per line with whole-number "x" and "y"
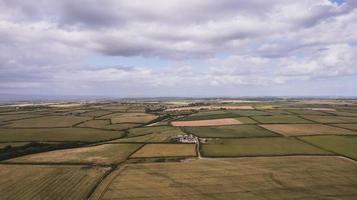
{"x": 4, "y": 118}
{"x": 306, "y": 129}
{"x": 299, "y": 177}
{"x": 248, "y": 113}
{"x": 344, "y": 145}
{"x": 104, "y": 154}
{"x": 166, "y": 150}
{"x": 105, "y": 124}
{"x": 246, "y": 120}
{"x": 234, "y": 131}
{"x": 57, "y": 134}
{"x": 280, "y": 119}
{"x": 210, "y": 115}
{"x": 133, "y": 118}
{"x": 258, "y": 147}
{"x": 47, "y": 121}
{"x": 331, "y": 119}
{"x": 277, "y": 112}
{"x": 151, "y": 134}
{"x": 47, "y": 182}
{"x": 96, "y": 113}
{"x": 307, "y": 112}
{"x": 13, "y": 144}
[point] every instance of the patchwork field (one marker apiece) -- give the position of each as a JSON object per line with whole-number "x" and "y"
{"x": 344, "y": 145}
{"x": 258, "y": 147}
{"x": 47, "y": 182}
{"x": 246, "y": 178}
{"x": 234, "y": 131}
{"x": 211, "y": 122}
{"x": 104, "y": 154}
{"x": 179, "y": 149}
{"x": 166, "y": 150}
{"x": 57, "y": 134}
{"x": 280, "y": 119}
{"x": 48, "y": 121}
{"x": 306, "y": 129}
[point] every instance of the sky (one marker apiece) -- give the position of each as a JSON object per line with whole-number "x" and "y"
{"x": 178, "y": 48}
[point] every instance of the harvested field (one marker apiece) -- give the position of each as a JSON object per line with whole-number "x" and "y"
{"x": 281, "y": 119}
{"x": 307, "y": 129}
{"x": 233, "y": 131}
{"x": 47, "y": 182}
{"x": 258, "y": 147}
{"x": 47, "y": 121}
{"x": 105, "y": 124}
{"x": 166, "y": 150}
{"x": 348, "y": 126}
{"x": 104, "y": 154}
{"x": 133, "y": 118}
{"x": 331, "y": 119}
{"x": 57, "y": 134}
{"x": 246, "y": 120}
{"x": 344, "y": 145}
{"x": 245, "y": 178}
{"x": 211, "y": 122}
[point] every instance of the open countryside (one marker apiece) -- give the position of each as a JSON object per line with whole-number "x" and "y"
{"x": 75, "y": 150}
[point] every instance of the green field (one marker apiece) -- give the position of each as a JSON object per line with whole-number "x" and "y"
{"x": 258, "y": 147}
{"x": 248, "y": 113}
{"x": 307, "y": 129}
{"x": 344, "y": 145}
{"x": 210, "y": 115}
{"x": 307, "y": 112}
{"x": 233, "y": 131}
{"x": 330, "y": 119}
{"x": 104, "y": 154}
{"x": 105, "y": 124}
{"x": 47, "y": 121}
{"x": 57, "y": 134}
{"x": 245, "y": 178}
{"x": 47, "y": 182}
{"x": 280, "y": 119}
{"x": 151, "y": 134}
{"x": 166, "y": 150}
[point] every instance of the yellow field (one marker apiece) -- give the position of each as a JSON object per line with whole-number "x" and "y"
{"x": 166, "y": 150}
{"x": 102, "y": 154}
{"x": 299, "y": 177}
{"x": 18, "y": 182}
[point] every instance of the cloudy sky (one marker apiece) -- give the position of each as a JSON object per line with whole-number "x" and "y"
{"x": 152, "y": 48}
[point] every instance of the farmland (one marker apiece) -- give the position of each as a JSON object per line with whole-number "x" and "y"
{"x": 179, "y": 149}
{"x": 47, "y": 182}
